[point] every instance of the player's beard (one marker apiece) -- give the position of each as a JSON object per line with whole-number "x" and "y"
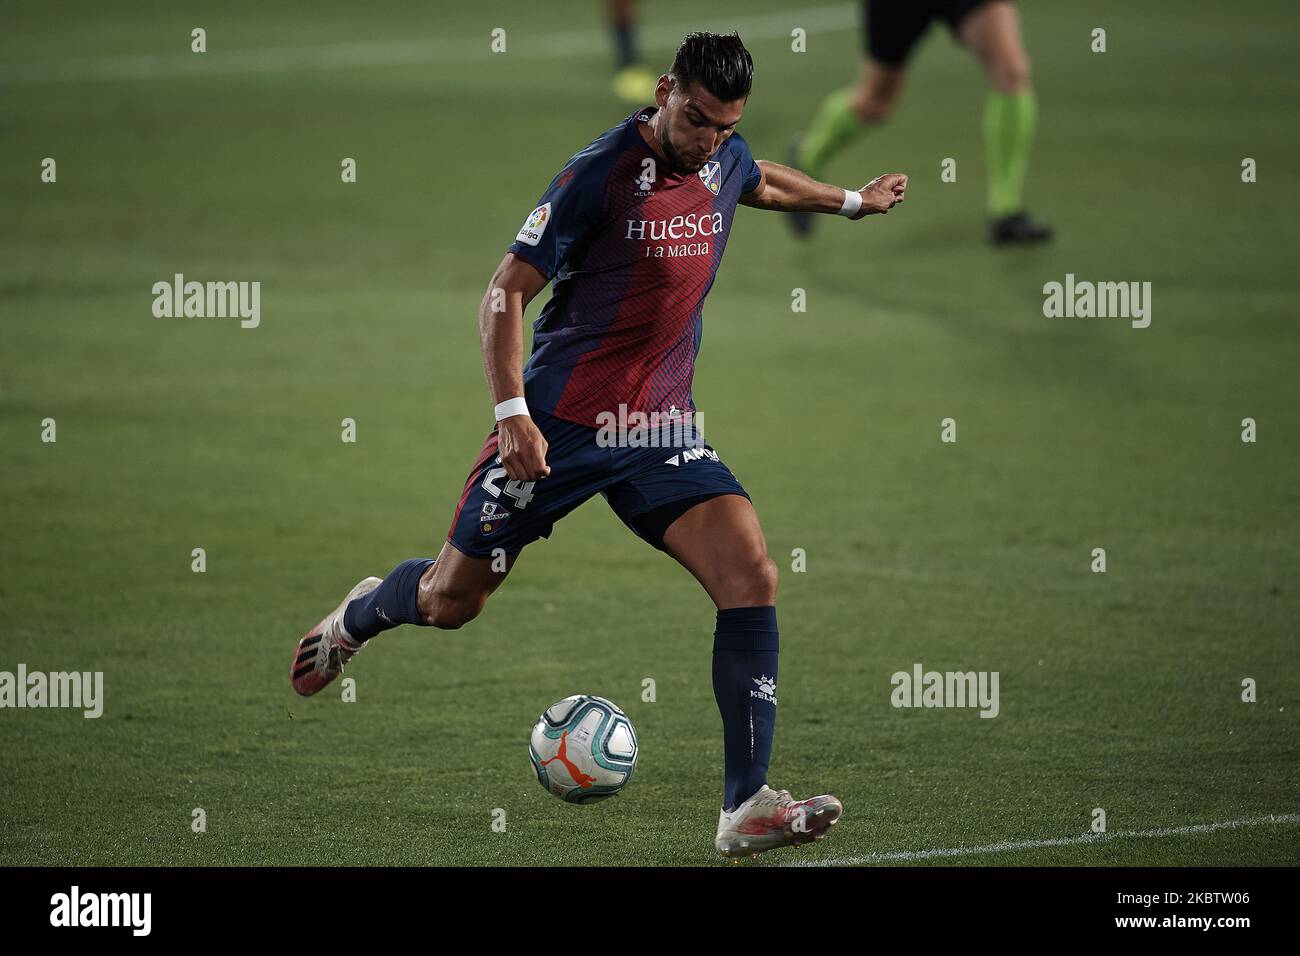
{"x": 676, "y": 159}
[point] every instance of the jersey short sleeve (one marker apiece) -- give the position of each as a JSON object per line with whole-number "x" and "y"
{"x": 568, "y": 210}
{"x": 745, "y": 163}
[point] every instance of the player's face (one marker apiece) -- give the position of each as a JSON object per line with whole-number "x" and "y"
{"x": 695, "y": 123}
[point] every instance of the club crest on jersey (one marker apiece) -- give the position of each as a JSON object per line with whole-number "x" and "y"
{"x": 535, "y": 225}
{"x": 491, "y": 517}
{"x": 711, "y": 176}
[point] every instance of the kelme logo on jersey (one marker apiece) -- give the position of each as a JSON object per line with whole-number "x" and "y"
{"x": 535, "y": 225}
{"x": 711, "y": 176}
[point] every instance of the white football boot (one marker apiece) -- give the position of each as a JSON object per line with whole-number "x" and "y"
{"x": 322, "y": 652}
{"x": 773, "y": 818}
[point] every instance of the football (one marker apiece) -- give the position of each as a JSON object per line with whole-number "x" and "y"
{"x": 583, "y": 749}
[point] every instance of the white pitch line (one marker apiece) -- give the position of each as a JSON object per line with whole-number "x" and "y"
{"x": 909, "y": 855}
{"x": 433, "y": 50}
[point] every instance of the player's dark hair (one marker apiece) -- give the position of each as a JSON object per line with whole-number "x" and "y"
{"x": 720, "y": 64}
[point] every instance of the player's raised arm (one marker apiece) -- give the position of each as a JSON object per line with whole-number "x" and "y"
{"x": 501, "y": 334}
{"x": 788, "y": 190}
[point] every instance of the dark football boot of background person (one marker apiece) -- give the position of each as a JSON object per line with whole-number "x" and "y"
{"x": 1017, "y": 229}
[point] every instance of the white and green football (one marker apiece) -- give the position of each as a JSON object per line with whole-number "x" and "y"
{"x": 583, "y": 749}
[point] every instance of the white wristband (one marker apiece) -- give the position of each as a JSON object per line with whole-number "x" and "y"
{"x": 852, "y": 203}
{"x": 511, "y": 407}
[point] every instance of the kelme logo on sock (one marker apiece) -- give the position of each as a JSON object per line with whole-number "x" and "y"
{"x": 766, "y": 689}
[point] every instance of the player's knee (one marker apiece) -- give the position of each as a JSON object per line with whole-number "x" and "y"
{"x": 756, "y": 583}
{"x": 875, "y": 103}
{"x": 1010, "y": 74}
{"x": 448, "y": 611}
{"x": 455, "y": 612}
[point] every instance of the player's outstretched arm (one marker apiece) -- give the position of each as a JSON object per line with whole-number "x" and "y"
{"x": 788, "y": 190}
{"x": 501, "y": 334}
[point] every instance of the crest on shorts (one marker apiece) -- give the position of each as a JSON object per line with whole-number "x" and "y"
{"x": 711, "y": 176}
{"x": 492, "y": 517}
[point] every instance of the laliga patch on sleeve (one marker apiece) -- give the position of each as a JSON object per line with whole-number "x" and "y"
{"x": 535, "y": 225}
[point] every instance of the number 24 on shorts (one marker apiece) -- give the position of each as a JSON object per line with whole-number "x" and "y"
{"x": 520, "y": 491}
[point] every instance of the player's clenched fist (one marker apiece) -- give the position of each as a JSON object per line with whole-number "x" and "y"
{"x": 522, "y": 448}
{"x": 882, "y": 194}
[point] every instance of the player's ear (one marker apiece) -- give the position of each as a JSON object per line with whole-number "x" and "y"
{"x": 664, "y": 87}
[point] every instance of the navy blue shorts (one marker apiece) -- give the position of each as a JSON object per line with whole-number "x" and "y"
{"x": 648, "y": 487}
{"x": 891, "y": 28}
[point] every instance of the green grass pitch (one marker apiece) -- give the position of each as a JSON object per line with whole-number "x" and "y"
{"x": 1119, "y": 691}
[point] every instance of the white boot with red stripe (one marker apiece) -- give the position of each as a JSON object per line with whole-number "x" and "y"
{"x": 322, "y": 652}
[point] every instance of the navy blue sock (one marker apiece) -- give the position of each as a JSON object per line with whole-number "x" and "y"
{"x": 744, "y": 684}
{"x": 396, "y": 601}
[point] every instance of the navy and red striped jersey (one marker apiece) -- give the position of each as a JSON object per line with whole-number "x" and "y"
{"x": 632, "y": 248}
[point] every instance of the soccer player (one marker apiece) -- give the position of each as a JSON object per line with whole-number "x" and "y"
{"x": 632, "y": 231}
{"x": 988, "y": 28}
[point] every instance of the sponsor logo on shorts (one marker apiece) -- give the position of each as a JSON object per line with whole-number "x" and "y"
{"x": 691, "y": 454}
